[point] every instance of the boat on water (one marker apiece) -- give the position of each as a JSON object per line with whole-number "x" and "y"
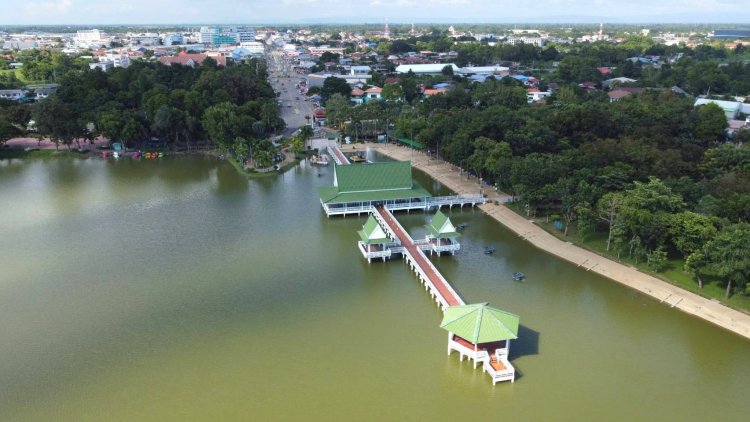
{"x": 461, "y": 226}
{"x": 519, "y": 276}
{"x": 320, "y": 160}
{"x": 489, "y": 250}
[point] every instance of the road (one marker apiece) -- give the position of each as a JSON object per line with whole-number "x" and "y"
{"x": 293, "y": 106}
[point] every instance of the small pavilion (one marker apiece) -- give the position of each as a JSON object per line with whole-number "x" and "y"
{"x": 442, "y": 235}
{"x": 483, "y": 334}
{"x": 373, "y": 241}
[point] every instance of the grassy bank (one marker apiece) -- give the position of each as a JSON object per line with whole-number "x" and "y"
{"x": 713, "y": 287}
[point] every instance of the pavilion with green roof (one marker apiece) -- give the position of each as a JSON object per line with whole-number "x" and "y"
{"x": 442, "y": 234}
{"x": 482, "y": 333}
{"x": 356, "y": 188}
{"x": 373, "y": 240}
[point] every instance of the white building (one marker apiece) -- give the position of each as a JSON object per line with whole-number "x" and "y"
{"x": 425, "y": 69}
{"x": 90, "y": 38}
{"x": 537, "y": 41}
{"x": 254, "y": 47}
{"x": 145, "y": 39}
{"x": 104, "y": 66}
{"x": 118, "y": 60}
{"x": 206, "y": 35}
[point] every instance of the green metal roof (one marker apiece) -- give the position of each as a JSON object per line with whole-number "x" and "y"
{"x": 374, "y": 176}
{"x": 441, "y": 227}
{"x": 331, "y": 195}
{"x": 480, "y": 323}
{"x": 372, "y": 182}
{"x": 413, "y": 144}
{"x": 372, "y": 233}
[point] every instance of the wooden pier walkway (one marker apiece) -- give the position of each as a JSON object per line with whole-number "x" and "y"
{"x": 429, "y": 276}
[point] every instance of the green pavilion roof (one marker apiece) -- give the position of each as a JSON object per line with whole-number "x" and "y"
{"x": 441, "y": 227}
{"x": 411, "y": 143}
{"x": 372, "y": 182}
{"x": 480, "y": 323}
{"x": 372, "y": 233}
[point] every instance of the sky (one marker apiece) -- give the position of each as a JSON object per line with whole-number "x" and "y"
{"x": 83, "y": 12}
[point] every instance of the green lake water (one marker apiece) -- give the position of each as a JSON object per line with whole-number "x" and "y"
{"x": 176, "y": 289}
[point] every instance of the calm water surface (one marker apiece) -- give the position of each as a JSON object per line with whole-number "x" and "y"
{"x": 177, "y": 290}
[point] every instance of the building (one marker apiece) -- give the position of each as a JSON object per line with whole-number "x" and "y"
{"x": 317, "y": 51}
{"x": 190, "y": 59}
{"x": 145, "y": 39}
{"x": 731, "y": 108}
{"x": 388, "y": 183}
{"x": 254, "y": 47}
{"x": 360, "y": 70}
{"x": 533, "y": 95}
{"x": 13, "y": 94}
{"x": 205, "y": 36}
{"x": 43, "y": 91}
{"x": 173, "y": 39}
{"x": 730, "y": 34}
{"x": 104, "y": 66}
{"x": 90, "y": 38}
{"x": 118, "y": 60}
{"x": 609, "y": 83}
{"x": 621, "y": 92}
{"x": 426, "y": 69}
{"x": 317, "y": 79}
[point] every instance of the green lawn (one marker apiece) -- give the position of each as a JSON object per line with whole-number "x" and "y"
{"x": 713, "y": 287}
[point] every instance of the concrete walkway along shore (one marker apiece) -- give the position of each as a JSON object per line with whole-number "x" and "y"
{"x": 668, "y": 294}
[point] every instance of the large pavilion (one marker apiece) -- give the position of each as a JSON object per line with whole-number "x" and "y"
{"x": 359, "y": 187}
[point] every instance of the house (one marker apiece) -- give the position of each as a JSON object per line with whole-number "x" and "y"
{"x": 373, "y": 94}
{"x": 621, "y": 92}
{"x": 588, "y": 86}
{"x": 357, "y": 96}
{"x": 360, "y": 70}
{"x": 13, "y": 94}
{"x": 534, "y": 95}
{"x": 319, "y": 117}
{"x": 434, "y": 91}
{"x": 609, "y": 83}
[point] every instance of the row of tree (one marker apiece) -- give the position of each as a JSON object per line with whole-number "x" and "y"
{"x": 234, "y": 107}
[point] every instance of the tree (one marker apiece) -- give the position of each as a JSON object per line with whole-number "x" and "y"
{"x": 712, "y": 123}
{"x": 7, "y": 131}
{"x": 392, "y": 92}
{"x": 306, "y": 132}
{"x": 298, "y": 144}
{"x": 609, "y": 210}
{"x": 447, "y": 71}
{"x": 337, "y": 110}
{"x": 222, "y": 124}
{"x": 689, "y": 231}
{"x": 333, "y": 85}
{"x": 728, "y": 256}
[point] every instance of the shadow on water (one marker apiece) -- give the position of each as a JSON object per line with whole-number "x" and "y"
{"x": 527, "y": 343}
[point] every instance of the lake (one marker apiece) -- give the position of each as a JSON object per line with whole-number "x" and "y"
{"x": 176, "y": 289}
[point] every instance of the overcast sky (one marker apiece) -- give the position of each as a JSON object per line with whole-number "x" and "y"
{"x": 82, "y": 12}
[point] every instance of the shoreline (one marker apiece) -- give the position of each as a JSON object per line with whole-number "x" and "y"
{"x": 666, "y": 293}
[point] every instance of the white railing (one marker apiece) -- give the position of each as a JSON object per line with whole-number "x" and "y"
{"x": 337, "y": 155}
{"x": 385, "y": 253}
{"x": 336, "y": 210}
{"x": 478, "y": 355}
{"x": 508, "y": 374}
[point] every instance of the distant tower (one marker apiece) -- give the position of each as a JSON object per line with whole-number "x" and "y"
{"x": 452, "y": 30}
{"x": 413, "y": 31}
{"x": 601, "y": 31}
{"x": 386, "y": 31}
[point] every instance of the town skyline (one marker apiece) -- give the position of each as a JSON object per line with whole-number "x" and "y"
{"x": 132, "y": 12}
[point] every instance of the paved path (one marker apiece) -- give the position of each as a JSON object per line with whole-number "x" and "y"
{"x": 666, "y": 293}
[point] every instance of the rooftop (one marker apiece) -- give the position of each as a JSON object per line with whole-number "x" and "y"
{"x": 372, "y": 182}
